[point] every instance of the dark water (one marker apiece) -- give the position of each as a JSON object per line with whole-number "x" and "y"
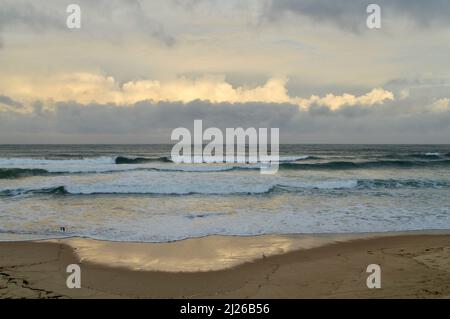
{"x": 135, "y": 192}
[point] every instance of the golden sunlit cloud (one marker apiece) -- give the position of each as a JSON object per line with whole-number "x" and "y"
{"x": 86, "y": 88}
{"x": 334, "y": 102}
{"x": 440, "y": 105}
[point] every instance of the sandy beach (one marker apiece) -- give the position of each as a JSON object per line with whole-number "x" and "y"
{"x": 413, "y": 266}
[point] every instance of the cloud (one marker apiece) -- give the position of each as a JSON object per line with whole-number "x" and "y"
{"x": 107, "y": 19}
{"x": 125, "y": 18}
{"x": 87, "y": 88}
{"x": 441, "y": 105}
{"x": 8, "y": 104}
{"x": 18, "y": 13}
{"x": 335, "y": 102}
{"x": 351, "y": 15}
{"x": 8, "y": 101}
{"x": 147, "y": 122}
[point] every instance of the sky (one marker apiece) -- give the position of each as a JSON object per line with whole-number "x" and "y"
{"x": 136, "y": 70}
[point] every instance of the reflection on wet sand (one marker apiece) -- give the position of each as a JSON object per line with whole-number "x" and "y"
{"x": 195, "y": 254}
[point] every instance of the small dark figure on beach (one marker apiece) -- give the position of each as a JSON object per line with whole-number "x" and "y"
{"x": 63, "y": 229}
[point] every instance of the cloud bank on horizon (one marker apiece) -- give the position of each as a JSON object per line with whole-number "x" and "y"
{"x": 88, "y": 88}
{"x": 311, "y": 68}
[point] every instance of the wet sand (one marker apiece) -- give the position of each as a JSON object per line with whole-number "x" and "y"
{"x": 412, "y": 266}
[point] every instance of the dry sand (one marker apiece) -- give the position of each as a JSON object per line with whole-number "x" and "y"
{"x": 413, "y": 266}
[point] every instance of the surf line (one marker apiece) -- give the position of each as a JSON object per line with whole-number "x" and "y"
{"x": 234, "y": 144}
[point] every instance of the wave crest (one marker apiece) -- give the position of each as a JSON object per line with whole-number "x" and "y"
{"x": 141, "y": 160}
{"x": 364, "y": 165}
{"x": 10, "y": 173}
{"x": 296, "y": 187}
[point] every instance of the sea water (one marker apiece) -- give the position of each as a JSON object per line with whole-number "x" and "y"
{"x": 136, "y": 193}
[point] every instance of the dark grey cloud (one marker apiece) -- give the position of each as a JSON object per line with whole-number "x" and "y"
{"x": 421, "y": 88}
{"x": 346, "y": 14}
{"x": 118, "y": 17}
{"x": 145, "y": 122}
{"x": 17, "y": 14}
{"x": 351, "y": 14}
{"x": 9, "y": 102}
{"x": 14, "y": 14}
{"x": 108, "y": 19}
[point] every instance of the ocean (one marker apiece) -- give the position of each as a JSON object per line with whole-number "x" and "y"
{"x": 136, "y": 193}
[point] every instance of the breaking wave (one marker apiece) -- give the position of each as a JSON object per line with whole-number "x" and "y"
{"x": 141, "y": 160}
{"x": 251, "y": 190}
{"x": 10, "y": 173}
{"x": 364, "y": 165}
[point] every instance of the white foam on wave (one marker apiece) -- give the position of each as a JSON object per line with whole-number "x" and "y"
{"x": 181, "y": 188}
{"x": 330, "y": 184}
{"x": 293, "y": 158}
{"x": 176, "y": 183}
{"x": 104, "y": 164}
{"x": 88, "y": 164}
{"x": 19, "y": 161}
{"x": 156, "y": 220}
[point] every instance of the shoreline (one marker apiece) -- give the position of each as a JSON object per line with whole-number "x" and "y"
{"x": 275, "y": 266}
{"x": 7, "y": 237}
